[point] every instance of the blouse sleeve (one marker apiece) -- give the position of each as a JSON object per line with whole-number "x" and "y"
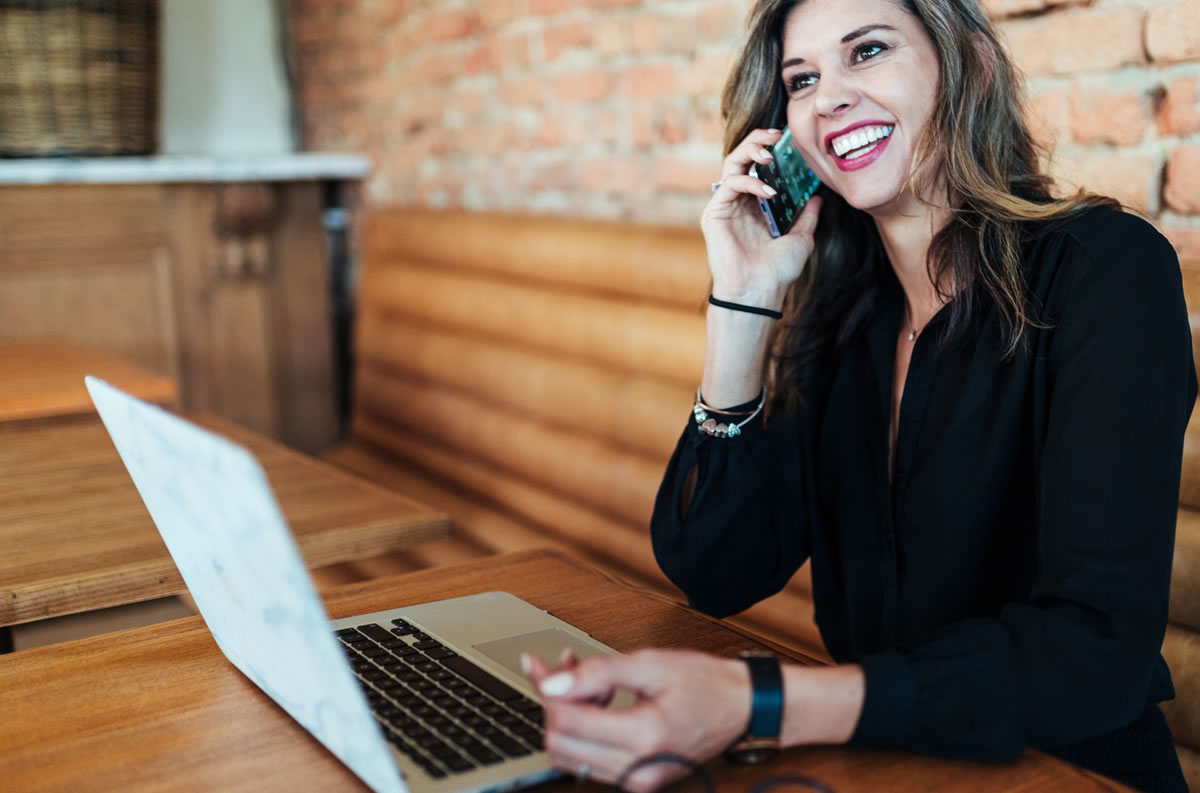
{"x": 743, "y": 533}
{"x": 1081, "y": 656}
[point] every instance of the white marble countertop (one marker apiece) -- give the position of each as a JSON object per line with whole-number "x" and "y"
{"x": 300, "y": 166}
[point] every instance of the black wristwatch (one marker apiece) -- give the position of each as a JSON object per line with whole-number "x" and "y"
{"x": 760, "y": 742}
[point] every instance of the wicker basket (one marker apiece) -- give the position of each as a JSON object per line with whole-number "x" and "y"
{"x": 78, "y": 77}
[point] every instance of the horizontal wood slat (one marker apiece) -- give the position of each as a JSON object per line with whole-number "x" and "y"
{"x": 638, "y": 262}
{"x": 1185, "y": 574}
{"x": 1181, "y": 649}
{"x": 1189, "y": 488}
{"x": 787, "y": 615}
{"x": 615, "y": 542}
{"x": 1189, "y": 760}
{"x": 646, "y": 414}
{"x": 612, "y": 480}
{"x": 659, "y": 341}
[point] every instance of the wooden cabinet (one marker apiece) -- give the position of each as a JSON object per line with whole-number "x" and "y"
{"x": 224, "y": 286}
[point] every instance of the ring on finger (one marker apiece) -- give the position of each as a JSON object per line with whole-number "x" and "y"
{"x": 717, "y": 185}
{"x": 583, "y": 772}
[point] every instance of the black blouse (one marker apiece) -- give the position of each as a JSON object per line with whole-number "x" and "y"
{"x": 1009, "y": 586}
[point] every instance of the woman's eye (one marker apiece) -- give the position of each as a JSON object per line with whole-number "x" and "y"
{"x": 798, "y": 82}
{"x": 867, "y": 51}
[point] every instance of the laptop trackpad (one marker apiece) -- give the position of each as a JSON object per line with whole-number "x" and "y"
{"x": 547, "y": 645}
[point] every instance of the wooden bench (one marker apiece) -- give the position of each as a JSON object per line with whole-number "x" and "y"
{"x": 531, "y": 376}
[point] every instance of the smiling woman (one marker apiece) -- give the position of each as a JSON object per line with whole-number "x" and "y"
{"x": 977, "y": 397}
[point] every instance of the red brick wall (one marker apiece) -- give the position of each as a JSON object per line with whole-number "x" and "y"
{"x": 609, "y": 108}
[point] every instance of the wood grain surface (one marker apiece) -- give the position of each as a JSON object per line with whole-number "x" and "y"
{"x": 159, "y": 709}
{"x": 43, "y": 378}
{"x": 76, "y": 535}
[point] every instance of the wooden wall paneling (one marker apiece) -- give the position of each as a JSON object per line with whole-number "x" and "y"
{"x": 657, "y": 340}
{"x": 613, "y": 480}
{"x": 302, "y": 321}
{"x": 634, "y": 410}
{"x": 169, "y": 321}
{"x": 191, "y": 212}
{"x": 241, "y": 355}
{"x": 87, "y": 263}
{"x": 615, "y": 542}
{"x": 83, "y": 224}
{"x": 655, "y": 263}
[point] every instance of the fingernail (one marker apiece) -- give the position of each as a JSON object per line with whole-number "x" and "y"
{"x": 526, "y": 664}
{"x": 565, "y": 656}
{"x": 557, "y": 685}
{"x": 766, "y": 153}
{"x": 773, "y": 130}
{"x": 769, "y": 190}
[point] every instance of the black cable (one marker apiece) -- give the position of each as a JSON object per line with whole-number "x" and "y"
{"x": 706, "y": 781}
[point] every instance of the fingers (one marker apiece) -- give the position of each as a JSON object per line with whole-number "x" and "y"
{"x": 608, "y": 763}
{"x": 806, "y": 224}
{"x": 756, "y": 147}
{"x": 599, "y": 678}
{"x": 733, "y": 187}
{"x": 534, "y": 668}
{"x": 638, "y": 727}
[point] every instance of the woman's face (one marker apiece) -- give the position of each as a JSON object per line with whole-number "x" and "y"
{"x": 861, "y": 78}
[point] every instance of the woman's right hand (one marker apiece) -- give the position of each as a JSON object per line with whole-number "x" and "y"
{"x": 749, "y": 265}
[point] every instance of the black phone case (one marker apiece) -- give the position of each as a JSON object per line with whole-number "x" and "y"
{"x": 793, "y": 181}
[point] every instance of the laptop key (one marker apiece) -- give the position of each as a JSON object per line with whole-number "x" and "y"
{"x": 376, "y": 632}
{"x": 523, "y": 704}
{"x": 459, "y": 764}
{"x": 530, "y": 736}
{"x": 420, "y": 636}
{"x": 485, "y": 681}
{"x": 430, "y": 766}
{"x": 440, "y": 653}
{"x": 345, "y": 632}
{"x": 508, "y": 746}
{"x": 480, "y": 752}
{"x": 427, "y": 644}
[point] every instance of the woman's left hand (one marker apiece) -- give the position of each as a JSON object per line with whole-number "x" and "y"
{"x": 688, "y": 703}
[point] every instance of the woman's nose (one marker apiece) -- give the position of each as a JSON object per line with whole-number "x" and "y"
{"x": 835, "y": 97}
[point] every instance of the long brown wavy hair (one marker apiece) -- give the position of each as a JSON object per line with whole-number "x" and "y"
{"x": 988, "y": 162}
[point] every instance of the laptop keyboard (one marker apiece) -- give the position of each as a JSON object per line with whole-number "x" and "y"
{"x": 441, "y": 710}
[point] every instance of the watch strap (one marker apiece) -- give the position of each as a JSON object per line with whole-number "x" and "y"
{"x": 766, "y": 703}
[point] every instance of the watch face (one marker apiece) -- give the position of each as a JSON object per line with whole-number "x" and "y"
{"x": 752, "y": 751}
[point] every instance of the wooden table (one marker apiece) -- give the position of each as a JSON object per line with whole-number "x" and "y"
{"x": 76, "y": 536}
{"x": 159, "y": 708}
{"x": 43, "y": 378}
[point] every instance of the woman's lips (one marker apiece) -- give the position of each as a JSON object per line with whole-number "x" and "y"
{"x": 862, "y": 162}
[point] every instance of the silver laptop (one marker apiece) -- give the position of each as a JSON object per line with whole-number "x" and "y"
{"x": 428, "y": 698}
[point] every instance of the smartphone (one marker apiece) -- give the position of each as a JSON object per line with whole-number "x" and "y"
{"x": 794, "y": 184}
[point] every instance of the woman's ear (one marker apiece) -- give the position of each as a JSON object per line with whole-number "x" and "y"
{"x": 985, "y": 49}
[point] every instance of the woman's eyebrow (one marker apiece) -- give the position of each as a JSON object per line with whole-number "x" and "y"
{"x": 852, "y": 35}
{"x": 846, "y": 39}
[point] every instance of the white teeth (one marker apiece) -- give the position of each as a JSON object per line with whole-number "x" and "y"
{"x": 860, "y": 137}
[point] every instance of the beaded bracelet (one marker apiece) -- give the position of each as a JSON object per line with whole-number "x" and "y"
{"x": 709, "y": 426}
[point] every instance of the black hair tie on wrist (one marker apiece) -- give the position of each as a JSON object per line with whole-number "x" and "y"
{"x": 766, "y": 312}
